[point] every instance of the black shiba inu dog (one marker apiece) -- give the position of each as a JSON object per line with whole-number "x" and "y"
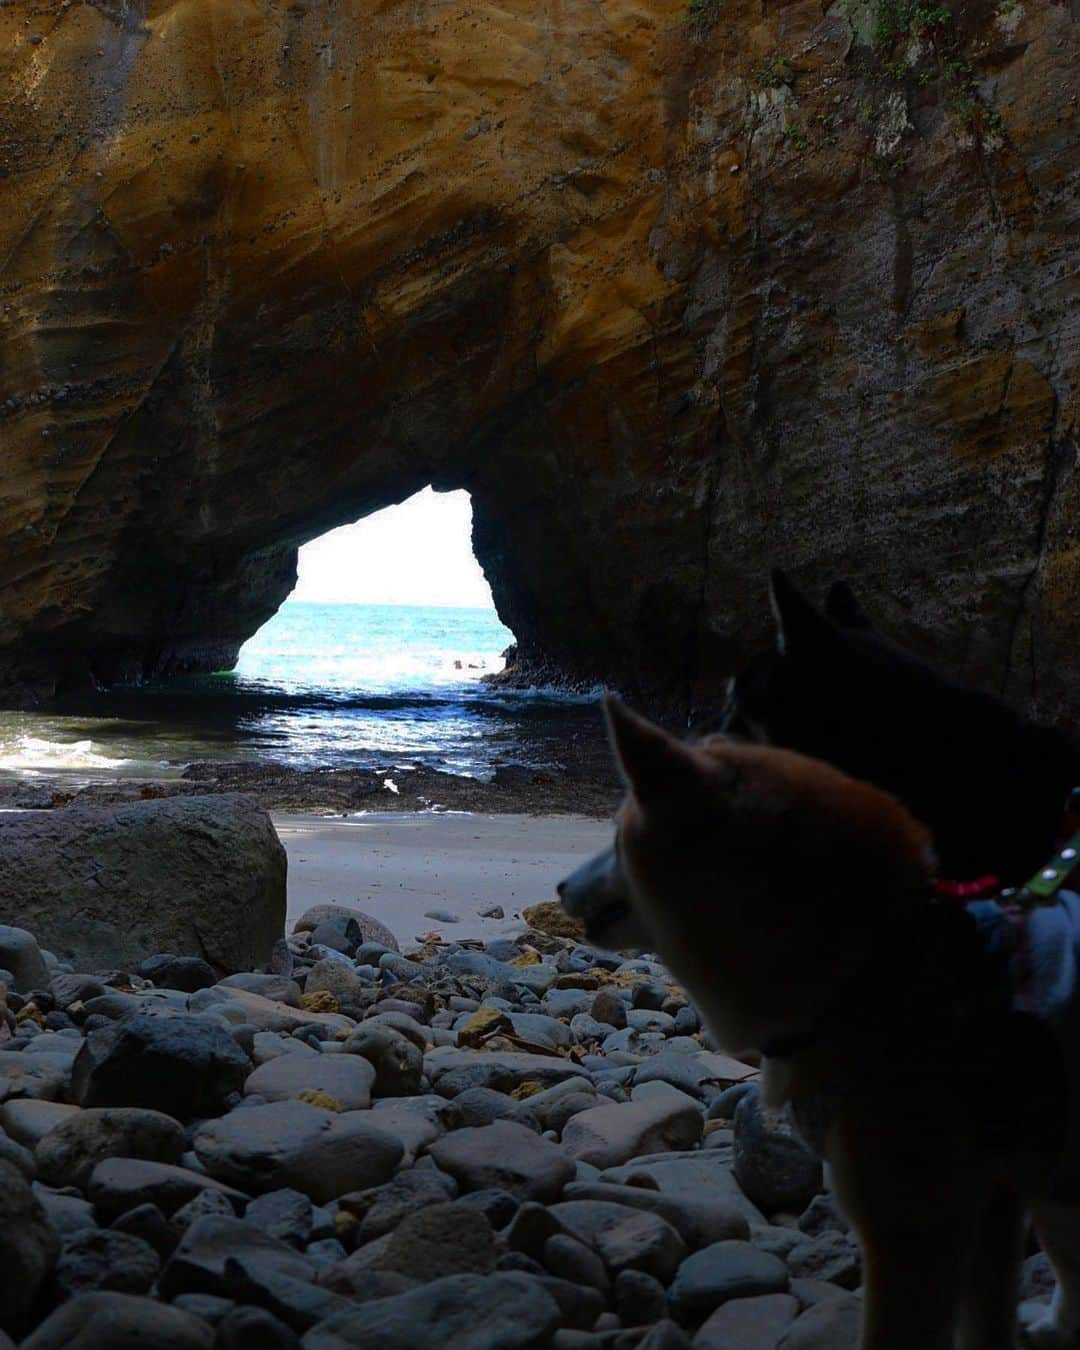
{"x": 990, "y": 784}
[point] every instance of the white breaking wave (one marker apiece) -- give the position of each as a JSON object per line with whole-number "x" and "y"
{"x": 30, "y": 754}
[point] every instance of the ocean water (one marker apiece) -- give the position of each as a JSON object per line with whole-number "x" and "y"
{"x": 385, "y": 686}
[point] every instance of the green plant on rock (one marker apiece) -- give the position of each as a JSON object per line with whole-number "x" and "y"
{"x": 897, "y": 19}
{"x": 903, "y": 18}
{"x": 773, "y": 72}
{"x": 795, "y": 137}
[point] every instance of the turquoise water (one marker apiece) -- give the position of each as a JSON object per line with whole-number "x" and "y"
{"x": 319, "y": 685}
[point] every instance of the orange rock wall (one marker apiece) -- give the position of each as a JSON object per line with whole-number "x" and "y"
{"x": 676, "y": 294}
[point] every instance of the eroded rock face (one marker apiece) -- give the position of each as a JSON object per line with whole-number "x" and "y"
{"x": 676, "y": 295}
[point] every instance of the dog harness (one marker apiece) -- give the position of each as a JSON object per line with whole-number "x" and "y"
{"x": 1030, "y": 944}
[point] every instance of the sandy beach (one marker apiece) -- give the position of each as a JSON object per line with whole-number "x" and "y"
{"x": 396, "y": 866}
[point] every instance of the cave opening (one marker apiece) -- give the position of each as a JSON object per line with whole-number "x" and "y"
{"x": 392, "y": 604}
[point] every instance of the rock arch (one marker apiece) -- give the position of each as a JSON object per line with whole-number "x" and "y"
{"x": 674, "y": 296}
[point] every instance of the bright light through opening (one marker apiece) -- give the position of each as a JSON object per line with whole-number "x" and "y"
{"x": 418, "y": 553}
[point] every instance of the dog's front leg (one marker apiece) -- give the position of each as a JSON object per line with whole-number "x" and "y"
{"x": 915, "y": 1215}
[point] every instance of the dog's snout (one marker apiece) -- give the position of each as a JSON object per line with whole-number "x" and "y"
{"x": 589, "y": 887}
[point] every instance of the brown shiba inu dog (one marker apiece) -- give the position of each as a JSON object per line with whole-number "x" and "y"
{"x": 794, "y": 904}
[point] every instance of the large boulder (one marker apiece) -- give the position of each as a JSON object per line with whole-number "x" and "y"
{"x": 103, "y": 886}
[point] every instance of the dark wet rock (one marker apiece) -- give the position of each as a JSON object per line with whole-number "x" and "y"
{"x": 639, "y": 1298}
{"x": 186, "y": 973}
{"x": 443, "y": 1239}
{"x": 530, "y": 1229}
{"x": 608, "y": 1007}
{"x": 499, "y": 1207}
{"x": 626, "y": 1239}
{"x": 281, "y": 988}
{"x": 777, "y": 1239}
{"x": 150, "y": 1224}
{"x": 548, "y": 1106}
{"x": 202, "y": 1260}
{"x": 834, "y": 1257}
{"x": 699, "y": 1219}
{"x": 397, "y": 1062}
{"x": 70, "y": 1151}
{"x": 504, "y": 1155}
{"x": 207, "y": 1306}
{"x": 723, "y": 1106}
{"x": 452, "y": 1071}
{"x": 283, "y": 1214}
{"x": 823, "y": 1215}
{"x": 254, "y": 1329}
{"x": 67, "y": 1214}
{"x": 68, "y": 988}
{"x": 703, "y": 1075}
{"x": 570, "y": 1259}
{"x": 334, "y": 977}
{"x": 724, "y": 1271}
{"x": 18, "y": 1157}
{"x": 184, "y": 1066}
{"x": 748, "y": 1323}
{"x": 519, "y": 1261}
{"x": 611, "y": 1134}
{"x": 21, "y": 956}
{"x": 339, "y": 932}
{"x": 687, "y": 1022}
{"x": 694, "y": 1177}
{"x": 649, "y": 994}
{"x": 416, "y": 1122}
{"x": 120, "y": 1184}
{"x": 579, "y": 1304}
{"x": 321, "y": 1153}
{"x": 482, "y": 1106}
{"x": 38, "y": 1076}
{"x": 120, "y": 1322}
{"x": 325, "y": 1252}
{"x": 508, "y": 1310}
{"x": 104, "y": 1259}
{"x": 298, "y": 1303}
{"x": 346, "y": 1079}
{"x": 28, "y": 1249}
{"x": 408, "y": 1027}
{"x": 772, "y": 1165}
{"x": 265, "y": 1014}
{"x": 832, "y": 1325}
{"x": 371, "y": 930}
{"x": 204, "y": 1205}
{"x": 381, "y": 1209}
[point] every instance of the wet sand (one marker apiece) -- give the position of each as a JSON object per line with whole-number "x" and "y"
{"x": 395, "y": 866}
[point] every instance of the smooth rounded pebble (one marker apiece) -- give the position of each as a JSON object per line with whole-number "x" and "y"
{"x": 119, "y": 1322}
{"x": 346, "y": 1078}
{"x": 320, "y": 1153}
{"x": 68, "y": 1154}
{"x": 505, "y": 1156}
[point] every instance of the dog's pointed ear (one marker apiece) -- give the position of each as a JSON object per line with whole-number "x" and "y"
{"x": 662, "y": 772}
{"x": 798, "y": 623}
{"x": 842, "y": 607}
